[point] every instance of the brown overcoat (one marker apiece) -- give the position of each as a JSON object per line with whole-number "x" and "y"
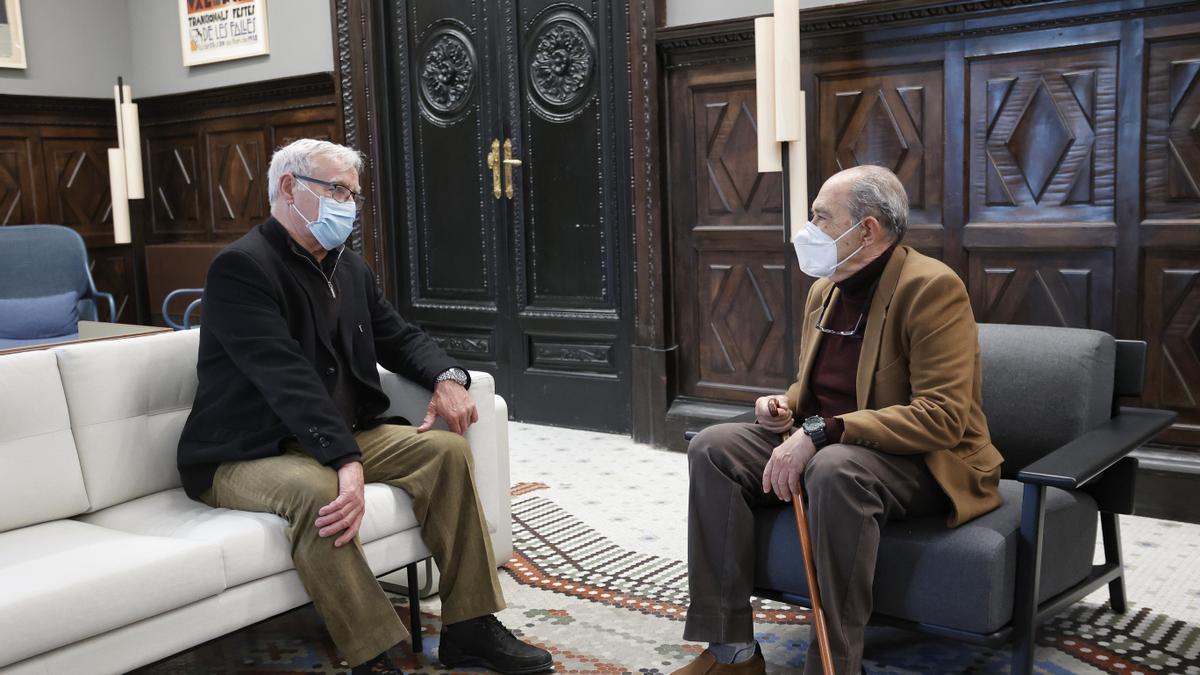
{"x": 919, "y": 379}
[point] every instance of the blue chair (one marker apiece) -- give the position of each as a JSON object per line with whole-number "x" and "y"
{"x": 39, "y": 266}
{"x": 186, "y": 320}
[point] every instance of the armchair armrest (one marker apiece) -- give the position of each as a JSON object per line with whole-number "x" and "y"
{"x": 112, "y": 305}
{"x": 744, "y": 417}
{"x": 1083, "y": 459}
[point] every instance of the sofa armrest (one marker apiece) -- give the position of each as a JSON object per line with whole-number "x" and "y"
{"x": 1083, "y": 459}
{"x": 488, "y": 439}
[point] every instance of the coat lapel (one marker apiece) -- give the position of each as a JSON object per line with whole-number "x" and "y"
{"x": 868, "y": 358}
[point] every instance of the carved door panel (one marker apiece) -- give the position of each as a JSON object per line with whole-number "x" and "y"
{"x": 514, "y": 270}
{"x": 569, "y": 339}
{"x": 444, "y": 91}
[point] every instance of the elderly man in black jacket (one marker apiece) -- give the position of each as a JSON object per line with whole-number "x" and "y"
{"x": 286, "y": 419}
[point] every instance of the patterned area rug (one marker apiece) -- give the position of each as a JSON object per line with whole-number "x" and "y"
{"x": 601, "y": 607}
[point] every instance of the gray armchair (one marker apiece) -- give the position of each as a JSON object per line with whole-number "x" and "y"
{"x": 1050, "y": 396}
{"x": 44, "y": 260}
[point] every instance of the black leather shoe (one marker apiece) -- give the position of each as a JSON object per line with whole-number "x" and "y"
{"x": 485, "y": 642}
{"x": 380, "y": 665}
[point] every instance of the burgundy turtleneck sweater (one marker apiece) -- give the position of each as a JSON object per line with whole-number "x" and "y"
{"x": 836, "y": 366}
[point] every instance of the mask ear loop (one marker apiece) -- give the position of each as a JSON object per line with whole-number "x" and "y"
{"x": 293, "y": 202}
{"x": 856, "y": 251}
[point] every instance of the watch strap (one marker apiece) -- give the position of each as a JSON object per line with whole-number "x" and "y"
{"x": 453, "y": 374}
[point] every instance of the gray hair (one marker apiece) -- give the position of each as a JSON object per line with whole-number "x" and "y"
{"x": 876, "y": 191}
{"x": 297, "y": 158}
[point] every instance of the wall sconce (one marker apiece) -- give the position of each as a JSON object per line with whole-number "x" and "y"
{"x": 780, "y": 102}
{"x": 125, "y": 161}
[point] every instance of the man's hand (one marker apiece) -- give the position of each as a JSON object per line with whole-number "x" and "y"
{"x": 452, "y": 403}
{"x": 344, "y": 514}
{"x": 781, "y": 421}
{"x": 785, "y": 469}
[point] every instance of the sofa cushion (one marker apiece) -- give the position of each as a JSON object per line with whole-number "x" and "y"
{"x": 253, "y": 545}
{"x": 43, "y": 317}
{"x": 959, "y": 578}
{"x": 64, "y": 581}
{"x": 40, "y": 478}
{"x": 129, "y": 399}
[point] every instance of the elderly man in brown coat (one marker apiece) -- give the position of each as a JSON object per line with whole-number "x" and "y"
{"x": 891, "y": 425}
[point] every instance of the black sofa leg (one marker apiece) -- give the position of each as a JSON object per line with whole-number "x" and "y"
{"x": 1110, "y": 531}
{"x": 414, "y": 608}
{"x": 1029, "y": 572}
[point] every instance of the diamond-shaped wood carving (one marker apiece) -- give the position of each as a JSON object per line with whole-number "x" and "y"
{"x": 175, "y": 194}
{"x": 731, "y": 190}
{"x": 1172, "y": 329}
{"x": 1070, "y": 290}
{"x": 892, "y": 120}
{"x": 1173, "y": 131}
{"x": 80, "y": 195}
{"x": 1042, "y": 136}
{"x": 238, "y": 170}
{"x": 11, "y": 193}
{"x": 740, "y": 305}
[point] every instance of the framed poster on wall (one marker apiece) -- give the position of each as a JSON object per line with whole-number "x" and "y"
{"x": 12, "y": 40}
{"x": 222, "y": 30}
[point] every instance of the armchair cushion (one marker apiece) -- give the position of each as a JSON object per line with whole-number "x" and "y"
{"x": 42, "y": 317}
{"x": 960, "y": 578}
{"x": 1043, "y": 387}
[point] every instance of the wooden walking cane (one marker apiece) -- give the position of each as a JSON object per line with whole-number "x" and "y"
{"x": 810, "y": 567}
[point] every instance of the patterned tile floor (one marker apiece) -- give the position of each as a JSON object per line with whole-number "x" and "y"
{"x": 637, "y": 497}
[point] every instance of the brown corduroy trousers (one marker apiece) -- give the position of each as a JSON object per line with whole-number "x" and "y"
{"x": 435, "y": 469}
{"x": 852, "y": 491}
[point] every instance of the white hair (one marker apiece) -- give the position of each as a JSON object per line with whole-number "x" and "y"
{"x": 876, "y": 191}
{"x": 297, "y": 158}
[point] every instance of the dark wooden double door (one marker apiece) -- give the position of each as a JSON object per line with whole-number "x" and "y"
{"x": 506, "y": 161}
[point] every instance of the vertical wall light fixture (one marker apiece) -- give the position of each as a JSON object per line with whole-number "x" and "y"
{"x": 781, "y": 114}
{"x": 125, "y": 162}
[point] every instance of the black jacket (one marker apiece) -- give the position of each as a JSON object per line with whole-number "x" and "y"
{"x": 263, "y": 365}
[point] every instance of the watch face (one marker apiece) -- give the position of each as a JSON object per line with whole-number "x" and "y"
{"x": 812, "y": 425}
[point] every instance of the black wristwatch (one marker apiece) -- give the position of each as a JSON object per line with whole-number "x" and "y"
{"x": 815, "y": 428}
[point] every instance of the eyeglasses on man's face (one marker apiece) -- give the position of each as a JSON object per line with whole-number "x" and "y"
{"x": 337, "y": 191}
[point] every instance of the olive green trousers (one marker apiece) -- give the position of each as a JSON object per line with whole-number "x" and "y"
{"x": 435, "y": 469}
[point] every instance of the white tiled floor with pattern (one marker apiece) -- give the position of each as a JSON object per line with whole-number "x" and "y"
{"x": 637, "y": 496}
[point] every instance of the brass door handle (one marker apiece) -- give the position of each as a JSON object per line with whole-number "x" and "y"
{"x": 493, "y": 163}
{"x": 509, "y": 163}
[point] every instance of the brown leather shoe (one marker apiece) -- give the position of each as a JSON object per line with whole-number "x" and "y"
{"x": 706, "y": 664}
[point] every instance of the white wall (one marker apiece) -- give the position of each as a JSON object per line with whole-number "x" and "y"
{"x": 78, "y": 48}
{"x": 300, "y": 34}
{"x": 72, "y": 48}
{"x": 683, "y": 12}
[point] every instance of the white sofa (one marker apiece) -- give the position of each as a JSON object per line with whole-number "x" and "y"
{"x": 106, "y": 565}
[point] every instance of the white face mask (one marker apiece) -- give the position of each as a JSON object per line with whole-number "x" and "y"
{"x": 817, "y": 251}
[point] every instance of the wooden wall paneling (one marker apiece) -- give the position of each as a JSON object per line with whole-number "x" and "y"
{"x": 175, "y": 188}
{"x": 1066, "y": 289}
{"x": 653, "y": 335}
{"x": 1042, "y": 128}
{"x": 113, "y": 271}
{"x": 1172, "y": 158}
{"x": 1172, "y": 324}
{"x": 17, "y": 179}
{"x": 76, "y": 176}
{"x": 730, "y": 279}
{"x": 237, "y": 166}
{"x": 1170, "y": 229}
{"x": 890, "y": 117}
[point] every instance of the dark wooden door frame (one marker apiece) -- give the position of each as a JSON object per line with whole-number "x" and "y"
{"x": 361, "y": 83}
